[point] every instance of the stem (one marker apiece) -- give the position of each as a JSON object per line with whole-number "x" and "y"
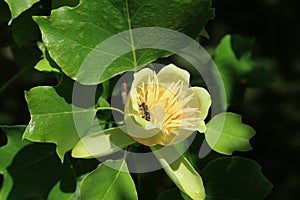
{"x": 110, "y": 108}
{"x": 131, "y": 36}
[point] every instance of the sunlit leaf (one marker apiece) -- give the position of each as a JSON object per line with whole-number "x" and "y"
{"x": 52, "y": 119}
{"x": 226, "y": 133}
{"x": 235, "y": 178}
{"x": 233, "y": 57}
{"x": 17, "y": 7}
{"x": 45, "y": 64}
{"x": 102, "y": 143}
{"x": 107, "y": 183}
{"x": 95, "y": 21}
{"x": 182, "y": 173}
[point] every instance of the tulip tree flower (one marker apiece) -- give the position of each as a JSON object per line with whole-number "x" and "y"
{"x": 162, "y": 108}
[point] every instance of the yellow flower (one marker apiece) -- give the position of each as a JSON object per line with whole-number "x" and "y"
{"x": 162, "y": 108}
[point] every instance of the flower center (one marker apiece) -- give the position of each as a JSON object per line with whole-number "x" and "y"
{"x": 161, "y": 105}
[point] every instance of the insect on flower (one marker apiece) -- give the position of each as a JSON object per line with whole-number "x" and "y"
{"x": 145, "y": 110}
{"x": 163, "y": 109}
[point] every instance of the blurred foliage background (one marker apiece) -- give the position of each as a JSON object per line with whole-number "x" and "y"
{"x": 273, "y": 111}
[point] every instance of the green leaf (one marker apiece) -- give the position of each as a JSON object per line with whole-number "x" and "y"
{"x": 58, "y": 194}
{"x": 96, "y": 21}
{"x": 234, "y": 70}
{"x": 235, "y": 178}
{"x": 7, "y": 154}
{"x": 181, "y": 172}
{"x": 52, "y": 118}
{"x": 107, "y": 183}
{"x": 24, "y": 29}
{"x": 58, "y": 3}
{"x": 102, "y": 143}
{"x": 4, "y": 12}
{"x": 241, "y": 45}
{"x": 46, "y": 64}
{"x": 81, "y": 168}
{"x": 17, "y": 7}
{"x": 31, "y": 169}
{"x": 103, "y": 114}
{"x": 226, "y": 133}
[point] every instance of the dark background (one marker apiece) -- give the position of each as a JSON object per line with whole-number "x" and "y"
{"x": 273, "y": 111}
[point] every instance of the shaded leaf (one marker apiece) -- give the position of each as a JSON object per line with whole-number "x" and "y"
{"x": 46, "y": 64}
{"x": 34, "y": 169}
{"x": 81, "y": 168}
{"x": 58, "y": 194}
{"x": 58, "y": 3}
{"x": 241, "y": 45}
{"x": 4, "y": 12}
{"x": 233, "y": 58}
{"x": 107, "y": 183}
{"x": 235, "y": 178}
{"x": 96, "y": 21}
{"x": 24, "y": 29}
{"x": 7, "y": 154}
{"x": 226, "y": 133}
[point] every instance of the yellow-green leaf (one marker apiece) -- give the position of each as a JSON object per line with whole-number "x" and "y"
{"x": 226, "y": 133}
{"x": 102, "y": 143}
{"x": 181, "y": 172}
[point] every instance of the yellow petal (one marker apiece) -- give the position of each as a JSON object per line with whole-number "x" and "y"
{"x": 172, "y": 74}
{"x": 204, "y": 101}
{"x": 147, "y": 133}
{"x": 142, "y": 76}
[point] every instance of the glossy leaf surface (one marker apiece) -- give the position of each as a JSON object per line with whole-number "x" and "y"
{"x": 102, "y": 143}
{"x": 95, "y": 21}
{"x": 226, "y": 133}
{"x": 17, "y": 7}
{"x": 52, "y": 119}
{"x": 107, "y": 183}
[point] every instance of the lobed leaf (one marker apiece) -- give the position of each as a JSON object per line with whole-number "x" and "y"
{"x": 235, "y": 178}
{"x": 30, "y": 170}
{"x": 17, "y": 7}
{"x": 107, "y": 183}
{"x": 52, "y": 119}
{"x": 95, "y": 21}
{"x": 226, "y": 133}
{"x": 8, "y": 152}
